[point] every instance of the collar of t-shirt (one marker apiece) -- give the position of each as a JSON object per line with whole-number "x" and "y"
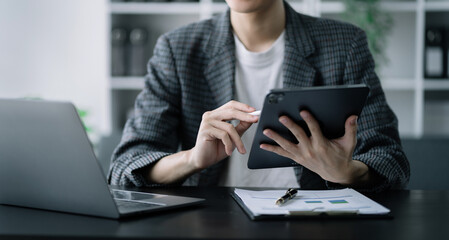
{"x": 259, "y": 59}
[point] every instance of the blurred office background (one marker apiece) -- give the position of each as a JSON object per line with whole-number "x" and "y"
{"x": 94, "y": 53}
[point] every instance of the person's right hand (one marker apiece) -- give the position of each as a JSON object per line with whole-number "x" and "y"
{"x": 217, "y": 138}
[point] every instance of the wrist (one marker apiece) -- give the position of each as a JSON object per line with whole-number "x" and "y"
{"x": 190, "y": 161}
{"x": 358, "y": 173}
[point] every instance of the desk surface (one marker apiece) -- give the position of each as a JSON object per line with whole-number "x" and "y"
{"x": 417, "y": 215}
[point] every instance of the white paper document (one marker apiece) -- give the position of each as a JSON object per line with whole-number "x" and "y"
{"x": 309, "y": 202}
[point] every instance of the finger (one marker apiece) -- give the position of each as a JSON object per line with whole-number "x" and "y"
{"x": 233, "y": 114}
{"x": 224, "y": 137}
{"x": 313, "y": 126}
{"x": 296, "y": 130}
{"x": 238, "y": 106}
{"x": 276, "y": 149}
{"x": 232, "y": 133}
{"x": 350, "y": 137}
{"x": 285, "y": 144}
{"x": 242, "y": 127}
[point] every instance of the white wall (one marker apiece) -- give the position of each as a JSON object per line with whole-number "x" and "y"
{"x": 57, "y": 50}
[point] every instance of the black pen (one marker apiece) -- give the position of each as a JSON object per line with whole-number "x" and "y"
{"x": 291, "y": 193}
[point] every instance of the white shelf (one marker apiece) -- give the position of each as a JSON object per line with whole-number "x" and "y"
{"x": 398, "y": 84}
{"x": 137, "y": 83}
{"x": 437, "y": 6}
{"x": 154, "y": 8}
{"x": 399, "y": 6}
{"x": 328, "y": 7}
{"x": 406, "y": 95}
{"x": 335, "y": 7}
{"x": 127, "y": 83}
{"x": 436, "y": 84}
{"x": 221, "y": 7}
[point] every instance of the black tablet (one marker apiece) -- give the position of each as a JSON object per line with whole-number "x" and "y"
{"x": 330, "y": 105}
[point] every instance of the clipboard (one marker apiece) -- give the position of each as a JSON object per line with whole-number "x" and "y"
{"x": 308, "y": 214}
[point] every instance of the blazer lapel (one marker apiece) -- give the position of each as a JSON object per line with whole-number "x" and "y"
{"x": 298, "y": 72}
{"x": 220, "y": 69}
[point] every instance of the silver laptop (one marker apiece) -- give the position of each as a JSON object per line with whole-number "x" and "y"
{"x": 47, "y": 162}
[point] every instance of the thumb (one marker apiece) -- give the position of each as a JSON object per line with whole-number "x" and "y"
{"x": 350, "y": 137}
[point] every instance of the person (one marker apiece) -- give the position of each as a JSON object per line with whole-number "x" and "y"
{"x": 192, "y": 124}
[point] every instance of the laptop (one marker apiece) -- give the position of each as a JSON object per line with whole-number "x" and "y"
{"x": 47, "y": 162}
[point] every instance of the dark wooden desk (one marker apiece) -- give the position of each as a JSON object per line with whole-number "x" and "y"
{"x": 417, "y": 215}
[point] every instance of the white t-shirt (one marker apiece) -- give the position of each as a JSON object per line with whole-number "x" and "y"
{"x": 255, "y": 74}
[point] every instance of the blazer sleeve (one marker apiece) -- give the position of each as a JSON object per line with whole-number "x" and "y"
{"x": 378, "y": 142}
{"x": 152, "y": 133}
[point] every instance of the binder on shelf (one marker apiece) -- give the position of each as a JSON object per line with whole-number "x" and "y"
{"x": 118, "y": 51}
{"x": 435, "y": 53}
{"x": 137, "y": 52}
{"x": 446, "y": 47}
{"x": 129, "y": 54}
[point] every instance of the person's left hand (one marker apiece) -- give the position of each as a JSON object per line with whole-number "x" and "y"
{"x": 331, "y": 159}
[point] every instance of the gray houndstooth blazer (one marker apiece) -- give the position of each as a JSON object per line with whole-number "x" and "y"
{"x": 192, "y": 71}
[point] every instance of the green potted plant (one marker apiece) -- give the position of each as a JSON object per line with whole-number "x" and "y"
{"x": 377, "y": 23}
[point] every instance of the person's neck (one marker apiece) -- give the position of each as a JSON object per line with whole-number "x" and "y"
{"x": 259, "y": 30}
